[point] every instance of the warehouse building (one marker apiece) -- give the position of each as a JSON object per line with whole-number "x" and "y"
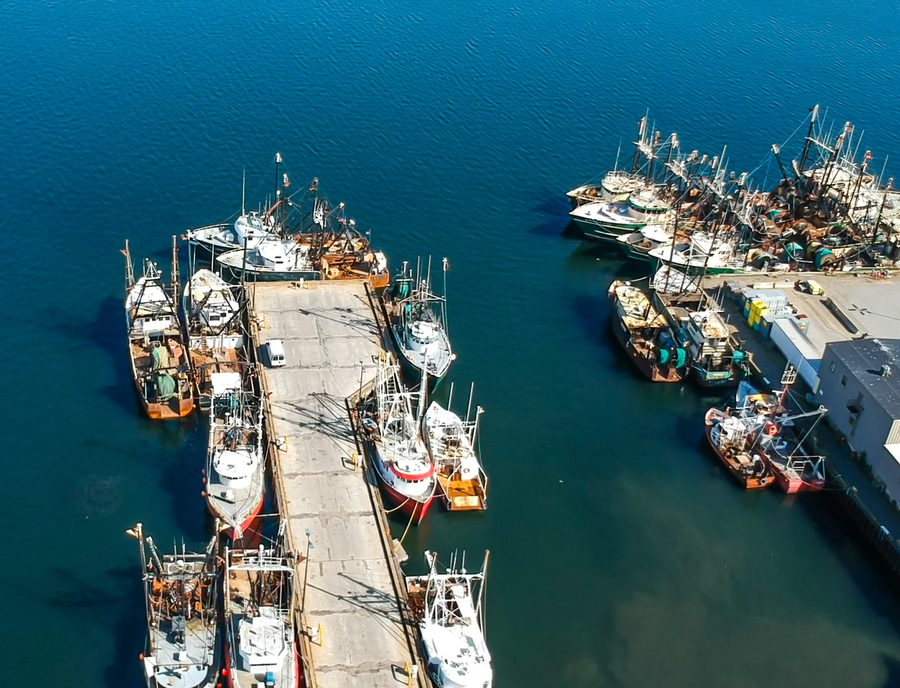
{"x": 859, "y": 384}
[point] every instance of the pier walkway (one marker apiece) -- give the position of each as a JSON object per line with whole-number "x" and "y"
{"x": 349, "y": 585}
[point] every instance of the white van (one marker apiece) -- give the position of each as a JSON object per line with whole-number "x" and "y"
{"x": 275, "y": 352}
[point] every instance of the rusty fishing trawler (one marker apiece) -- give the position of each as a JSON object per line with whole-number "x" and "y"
{"x": 181, "y": 599}
{"x": 644, "y": 334}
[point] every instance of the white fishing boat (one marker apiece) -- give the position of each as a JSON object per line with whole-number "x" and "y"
{"x": 215, "y": 330}
{"x": 249, "y": 229}
{"x": 180, "y": 594}
{"x": 261, "y": 641}
{"x": 417, "y": 326}
{"x": 273, "y": 259}
{"x": 235, "y": 467}
{"x": 451, "y": 445}
{"x": 637, "y": 245}
{"x": 701, "y": 254}
{"x": 607, "y": 221}
{"x": 398, "y": 454}
{"x": 668, "y": 280}
{"x": 449, "y": 609}
{"x": 615, "y": 187}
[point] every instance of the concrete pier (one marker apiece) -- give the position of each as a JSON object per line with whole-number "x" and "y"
{"x": 350, "y": 593}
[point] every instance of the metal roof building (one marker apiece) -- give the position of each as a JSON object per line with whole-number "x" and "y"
{"x": 859, "y": 383}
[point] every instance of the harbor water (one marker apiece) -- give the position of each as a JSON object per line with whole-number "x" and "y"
{"x": 621, "y": 553}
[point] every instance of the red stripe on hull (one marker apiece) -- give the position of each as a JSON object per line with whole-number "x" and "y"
{"x": 404, "y": 504}
{"x": 793, "y": 485}
{"x": 229, "y": 532}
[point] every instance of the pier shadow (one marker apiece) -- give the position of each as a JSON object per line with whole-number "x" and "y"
{"x": 381, "y": 606}
{"x": 345, "y": 316}
{"x": 328, "y": 417}
{"x": 859, "y": 557}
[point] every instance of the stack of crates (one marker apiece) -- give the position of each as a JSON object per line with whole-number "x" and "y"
{"x": 763, "y": 306}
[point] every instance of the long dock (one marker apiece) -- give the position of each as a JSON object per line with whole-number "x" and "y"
{"x": 351, "y": 600}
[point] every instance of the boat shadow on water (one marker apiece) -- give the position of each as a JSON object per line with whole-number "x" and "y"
{"x": 181, "y": 478}
{"x": 555, "y": 221}
{"x": 115, "y": 604}
{"x": 106, "y": 333}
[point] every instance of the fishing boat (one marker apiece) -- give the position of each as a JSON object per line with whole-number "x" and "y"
{"x": 670, "y": 282}
{"x": 732, "y": 436}
{"x": 180, "y": 594}
{"x": 795, "y": 469}
{"x": 417, "y": 324}
{"x": 272, "y": 259}
{"x": 615, "y": 187}
{"x": 156, "y": 343}
{"x": 644, "y": 334}
{"x": 449, "y": 609}
{"x": 451, "y": 444}
{"x": 637, "y": 245}
{"x": 608, "y": 221}
{"x": 261, "y": 640}
{"x": 249, "y": 229}
{"x": 398, "y": 454}
{"x": 699, "y": 254}
{"x": 215, "y": 330}
{"x": 717, "y": 357}
{"x": 309, "y": 255}
{"x": 235, "y": 465}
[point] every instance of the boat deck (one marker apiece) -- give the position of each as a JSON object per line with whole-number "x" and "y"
{"x": 462, "y": 495}
{"x": 353, "y": 587}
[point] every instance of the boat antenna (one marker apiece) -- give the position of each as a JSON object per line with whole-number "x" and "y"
{"x": 450, "y": 397}
{"x": 618, "y": 152}
{"x": 244, "y": 193}
{"x": 428, "y": 277}
{"x": 469, "y": 407}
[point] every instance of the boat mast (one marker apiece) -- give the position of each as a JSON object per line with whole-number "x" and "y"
{"x": 138, "y": 534}
{"x": 642, "y": 130}
{"x": 469, "y": 407}
{"x": 481, "y": 604}
{"x": 129, "y": 267}
{"x": 174, "y": 268}
{"x": 244, "y": 193}
{"x": 445, "y": 265}
{"x": 275, "y": 199}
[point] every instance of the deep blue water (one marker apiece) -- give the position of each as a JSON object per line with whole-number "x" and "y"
{"x": 621, "y": 555}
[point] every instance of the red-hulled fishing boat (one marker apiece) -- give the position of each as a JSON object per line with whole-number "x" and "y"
{"x": 401, "y": 460}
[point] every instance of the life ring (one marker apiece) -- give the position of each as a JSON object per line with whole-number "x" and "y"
{"x": 771, "y": 429}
